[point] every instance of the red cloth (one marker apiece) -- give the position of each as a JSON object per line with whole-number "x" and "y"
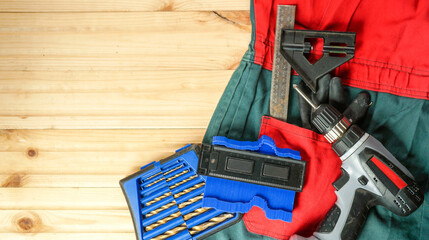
{"x": 317, "y": 196}
{"x": 391, "y": 40}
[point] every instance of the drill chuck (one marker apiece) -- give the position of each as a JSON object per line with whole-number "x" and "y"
{"x": 331, "y": 123}
{"x": 327, "y": 119}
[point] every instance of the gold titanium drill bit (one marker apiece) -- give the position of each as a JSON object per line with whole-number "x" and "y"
{"x": 190, "y": 201}
{"x": 211, "y": 222}
{"x": 158, "y": 210}
{"x": 152, "y": 176}
{"x": 197, "y": 212}
{"x": 177, "y": 175}
{"x": 171, "y": 232}
{"x": 174, "y": 169}
{"x": 158, "y": 198}
{"x": 184, "y": 181}
{"x": 163, "y": 221}
{"x": 166, "y": 194}
{"x": 155, "y": 182}
{"x": 189, "y": 189}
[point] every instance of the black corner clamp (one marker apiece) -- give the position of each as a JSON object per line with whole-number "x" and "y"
{"x": 338, "y": 48}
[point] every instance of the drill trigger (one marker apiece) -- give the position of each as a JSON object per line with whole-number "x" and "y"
{"x": 342, "y": 180}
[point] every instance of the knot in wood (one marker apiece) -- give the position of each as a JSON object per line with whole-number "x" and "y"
{"x": 32, "y": 153}
{"x": 168, "y": 6}
{"x": 15, "y": 180}
{"x": 28, "y": 222}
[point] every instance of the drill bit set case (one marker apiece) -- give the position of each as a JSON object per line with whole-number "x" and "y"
{"x": 165, "y": 200}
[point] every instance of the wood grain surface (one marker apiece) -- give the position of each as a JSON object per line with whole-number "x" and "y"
{"x": 92, "y": 90}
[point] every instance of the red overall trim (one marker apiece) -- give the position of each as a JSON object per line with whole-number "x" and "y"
{"x": 391, "y": 40}
{"x": 389, "y": 173}
{"x": 317, "y": 197}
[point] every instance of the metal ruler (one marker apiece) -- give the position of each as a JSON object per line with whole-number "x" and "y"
{"x": 280, "y": 81}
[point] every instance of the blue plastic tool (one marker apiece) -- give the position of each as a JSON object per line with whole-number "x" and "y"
{"x": 235, "y": 196}
{"x": 158, "y": 193}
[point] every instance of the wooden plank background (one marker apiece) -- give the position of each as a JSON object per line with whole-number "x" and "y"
{"x": 90, "y": 90}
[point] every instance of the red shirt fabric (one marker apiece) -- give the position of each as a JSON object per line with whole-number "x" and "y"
{"x": 323, "y": 168}
{"x": 391, "y": 40}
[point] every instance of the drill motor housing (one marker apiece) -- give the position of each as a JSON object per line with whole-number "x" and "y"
{"x": 370, "y": 176}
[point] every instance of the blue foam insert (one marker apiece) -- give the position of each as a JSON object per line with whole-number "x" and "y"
{"x": 234, "y": 196}
{"x": 265, "y": 144}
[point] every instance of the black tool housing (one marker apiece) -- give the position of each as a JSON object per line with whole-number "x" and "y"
{"x": 252, "y": 167}
{"x": 338, "y": 48}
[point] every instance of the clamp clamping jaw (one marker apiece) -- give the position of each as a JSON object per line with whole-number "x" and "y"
{"x": 338, "y": 48}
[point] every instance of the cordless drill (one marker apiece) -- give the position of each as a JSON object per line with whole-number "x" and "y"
{"x": 370, "y": 176}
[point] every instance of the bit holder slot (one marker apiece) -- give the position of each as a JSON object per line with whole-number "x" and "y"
{"x": 203, "y": 218}
{"x": 154, "y": 218}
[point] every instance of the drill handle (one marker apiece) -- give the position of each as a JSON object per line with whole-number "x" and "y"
{"x": 347, "y": 227}
{"x": 356, "y": 219}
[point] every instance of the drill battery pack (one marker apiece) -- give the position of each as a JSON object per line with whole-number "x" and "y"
{"x": 165, "y": 200}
